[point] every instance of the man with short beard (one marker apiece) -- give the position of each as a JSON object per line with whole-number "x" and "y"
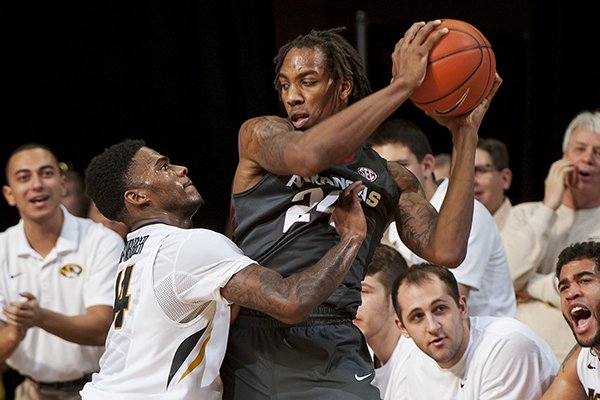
{"x": 462, "y": 357}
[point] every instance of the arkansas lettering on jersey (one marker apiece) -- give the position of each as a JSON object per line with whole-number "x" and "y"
{"x": 285, "y": 224}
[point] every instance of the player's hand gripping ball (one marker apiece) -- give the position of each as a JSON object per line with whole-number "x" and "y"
{"x": 460, "y": 71}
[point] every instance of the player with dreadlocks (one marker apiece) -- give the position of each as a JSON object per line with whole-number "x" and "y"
{"x": 289, "y": 175}
{"x": 340, "y": 58}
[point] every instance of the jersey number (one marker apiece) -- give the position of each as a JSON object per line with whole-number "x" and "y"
{"x": 122, "y": 295}
{"x": 307, "y": 200}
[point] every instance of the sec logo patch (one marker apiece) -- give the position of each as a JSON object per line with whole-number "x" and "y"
{"x": 368, "y": 173}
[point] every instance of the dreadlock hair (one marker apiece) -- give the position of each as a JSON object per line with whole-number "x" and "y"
{"x": 107, "y": 177}
{"x": 341, "y": 59}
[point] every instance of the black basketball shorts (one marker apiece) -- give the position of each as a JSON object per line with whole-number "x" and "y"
{"x": 325, "y": 358}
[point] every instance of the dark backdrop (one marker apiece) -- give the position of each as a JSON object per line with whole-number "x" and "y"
{"x": 184, "y": 75}
{"x": 181, "y": 75}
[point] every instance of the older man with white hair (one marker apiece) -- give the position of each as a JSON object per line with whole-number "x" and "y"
{"x": 536, "y": 232}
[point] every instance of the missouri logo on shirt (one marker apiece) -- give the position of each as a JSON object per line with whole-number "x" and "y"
{"x": 71, "y": 270}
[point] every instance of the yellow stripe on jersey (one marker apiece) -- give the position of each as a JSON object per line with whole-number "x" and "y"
{"x": 197, "y": 360}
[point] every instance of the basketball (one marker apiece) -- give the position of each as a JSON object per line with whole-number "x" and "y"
{"x": 460, "y": 71}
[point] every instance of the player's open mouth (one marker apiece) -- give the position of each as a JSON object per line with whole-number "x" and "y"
{"x": 581, "y": 318}
{"x": 299, "y": 119}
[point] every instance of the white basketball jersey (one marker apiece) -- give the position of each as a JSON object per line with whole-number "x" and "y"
{"x": 170, "y": 325}
{"x": 588, "y": 370}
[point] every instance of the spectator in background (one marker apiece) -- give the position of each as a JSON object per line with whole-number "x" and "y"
{"x": 483, "y": 275}
{"x": 578, "y": 273}
{"x": 75, "y": 199}
{"x": 377, "y": 319}
{"x": 95, "y": 215}
{"x": 443, "y": 161}
{"x": 56, "y": 281}
{"x": 536, "y": 232}
{"x": 493, "y": 178}
{"x": 462, "y": 357}
{"x": 78, "y": 203}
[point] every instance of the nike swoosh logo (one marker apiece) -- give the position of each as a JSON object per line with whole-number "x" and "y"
{"x": 590, "y": 366}
{"x": 362, "y": 378}
{"x": 455, "y": 106}
{"x": 15, "y": 275}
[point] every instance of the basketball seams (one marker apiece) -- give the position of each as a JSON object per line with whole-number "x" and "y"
{"x": 459, "y": 86}
{"x": 455, "y": 53}
{"x": 491, "y": 75}
{"x": 458, "y": 80}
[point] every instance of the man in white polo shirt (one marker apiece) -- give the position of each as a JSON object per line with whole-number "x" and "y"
{"x": 56, "y": 281}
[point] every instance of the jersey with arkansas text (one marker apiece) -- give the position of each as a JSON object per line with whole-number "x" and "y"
{"x": 285, "y": 223}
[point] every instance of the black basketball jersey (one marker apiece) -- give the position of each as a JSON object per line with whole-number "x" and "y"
{"x": 284, "y": 222}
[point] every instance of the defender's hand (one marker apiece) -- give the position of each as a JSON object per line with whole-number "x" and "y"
{"x": 348, "y": 215}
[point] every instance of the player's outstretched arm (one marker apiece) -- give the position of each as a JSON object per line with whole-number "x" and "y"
{"x": 291, "y": 299}
{"x": 442, "y": 238}
{"x": 566, "y": 385}
{"x": 272, "y": 144}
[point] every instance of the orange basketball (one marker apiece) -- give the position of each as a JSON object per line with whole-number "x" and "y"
{"x": 460, "y": 71}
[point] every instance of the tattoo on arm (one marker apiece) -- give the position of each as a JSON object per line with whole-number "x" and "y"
{"x": 406, "y": 180}
{"x": 415, "y": 221}
{"x": 267, "y": 138}
{"x": 292, "y": 299}
{"x": 415, "y": 216}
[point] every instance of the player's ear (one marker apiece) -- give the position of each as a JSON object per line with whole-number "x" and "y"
{"x": 136, "y": 197}
{"x": 345, "y": 90}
